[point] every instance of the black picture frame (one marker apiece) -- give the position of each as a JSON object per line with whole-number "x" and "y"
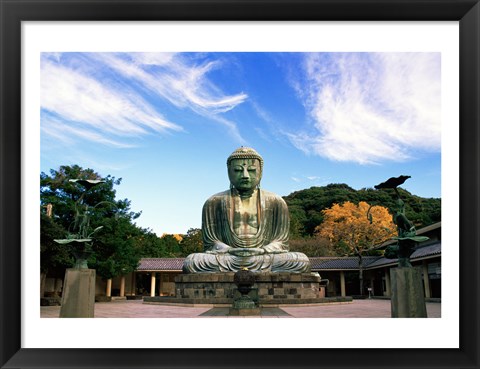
{"x": 13, "y": 12}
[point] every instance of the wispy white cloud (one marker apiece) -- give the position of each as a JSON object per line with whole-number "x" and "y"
{"x": 153, "y": 58}
{"x": 370, "y": 107}
{"x": 67, "y": 134}
{"x": 317, "y": 180}
{"x": 261, "y": 112}
{"x": 172, "y": 77}
{"x": 103, "y": 97}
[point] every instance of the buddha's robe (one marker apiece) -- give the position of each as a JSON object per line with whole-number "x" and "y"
{"x": 266, "y": 250}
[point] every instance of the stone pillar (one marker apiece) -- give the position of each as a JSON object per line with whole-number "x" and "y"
{"x": 342, "y": 284}
{"x": 108, "y": 292}
{"x": 122, "y": 286}
{"x": 133, "y": 290}
{"x": 58, "y": 286}
{"x": 43, "y": 277}
{"x": 152, "y": 286}
{"x": 388, "y": 291}
{"x": 426, "y": 282}
{"x": 78, "y": 298}
{"x": 408, "y": 300}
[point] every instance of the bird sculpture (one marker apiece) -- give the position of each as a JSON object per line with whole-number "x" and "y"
{"x": 393, "y": 182}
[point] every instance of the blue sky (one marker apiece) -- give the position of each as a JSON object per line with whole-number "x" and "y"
{"x": 166, "y": 123}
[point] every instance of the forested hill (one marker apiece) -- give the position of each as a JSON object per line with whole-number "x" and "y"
{"x": 305, "y": 206}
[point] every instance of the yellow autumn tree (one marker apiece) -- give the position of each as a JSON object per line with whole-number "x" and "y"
{"x": 355, "y": 229}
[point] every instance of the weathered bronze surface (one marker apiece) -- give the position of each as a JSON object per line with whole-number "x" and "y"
{"x": 81, "y": 237}
{"x": 407, "y": 234}
{"x": 245, "y": 226}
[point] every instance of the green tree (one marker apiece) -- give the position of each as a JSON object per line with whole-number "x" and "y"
{"x": 171, "y": 245}
{"x": 312, "y": 201}
{"x": 355, "y": 229}
{"x": 53, "y": 256}
{"x": 150, "y": 245}
{"x": 191, "y": 242}
{"x": 114, "y": 248}
{"x": 298, "y": 219}
{"x": 312, "y": 246}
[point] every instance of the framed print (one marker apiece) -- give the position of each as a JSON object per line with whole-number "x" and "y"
{"x": 30, "y": 31}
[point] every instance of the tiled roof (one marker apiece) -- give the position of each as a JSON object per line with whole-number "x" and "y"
{"x": 317, "y": 263}
{"x": 429, "y": 250}
{"x": 380, "y": 262}
{"x": 339, "y": 263}
{"x": 429, "y": 228}
{"x": 161, "y": 264}
{"x": 422, "y": 252}
{"x": 420, "y": 231}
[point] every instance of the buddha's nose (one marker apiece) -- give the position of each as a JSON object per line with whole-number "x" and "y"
{"x": 245, "y": 173}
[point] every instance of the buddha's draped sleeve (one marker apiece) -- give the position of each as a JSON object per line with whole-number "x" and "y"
{"x": 215, "y": 221}
{"x": 275, "y": 223}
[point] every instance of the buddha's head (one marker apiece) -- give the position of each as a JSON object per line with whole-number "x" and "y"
{"x": 245, "y": 168}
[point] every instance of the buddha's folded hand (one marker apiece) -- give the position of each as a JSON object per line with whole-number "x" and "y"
{"x": 275, "y": 248}
{"x": 218, "y": 248}
{"x": 243, "y": 251}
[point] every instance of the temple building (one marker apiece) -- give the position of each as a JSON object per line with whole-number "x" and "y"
{"x": 156, "y": 276}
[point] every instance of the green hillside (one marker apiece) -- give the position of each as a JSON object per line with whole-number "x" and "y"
{"x": 306, "y": 206}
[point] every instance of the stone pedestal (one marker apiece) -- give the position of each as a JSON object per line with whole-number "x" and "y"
{"x": 78, "y": 298}
{"x": 408, "y": 299}
{"x": 268, "y": 288}
{"x": 245, "y": 306}
{"x": 245, "y": 312}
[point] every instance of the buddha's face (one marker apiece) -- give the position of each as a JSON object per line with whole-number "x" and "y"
{"x": 244, "y": 174}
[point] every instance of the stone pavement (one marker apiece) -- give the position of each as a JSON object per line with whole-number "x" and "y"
{"x": 368, "y": 308}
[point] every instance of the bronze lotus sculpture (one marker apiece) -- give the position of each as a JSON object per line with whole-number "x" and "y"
{"x": 407, "y": 238}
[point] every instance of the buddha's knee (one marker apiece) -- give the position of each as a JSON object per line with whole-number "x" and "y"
{"x": 200, "y": 263}
{"x": 291, "y": 262}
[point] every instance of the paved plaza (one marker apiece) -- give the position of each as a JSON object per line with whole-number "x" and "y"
{"x": 368, "y": 308}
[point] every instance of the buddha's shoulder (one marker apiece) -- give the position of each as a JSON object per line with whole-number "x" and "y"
{"x": 218, "y": 196}
{"x": 271, "y": 196}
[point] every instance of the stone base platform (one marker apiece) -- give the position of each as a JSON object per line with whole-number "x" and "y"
{"x": 268, "y": 286}
{"x": 220, "y": 303}
{"x": 263, "y": 312}
{"x": 270, "y": 289}
{"x": 244, "y": 312}
{"x": 50, "y": 301}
